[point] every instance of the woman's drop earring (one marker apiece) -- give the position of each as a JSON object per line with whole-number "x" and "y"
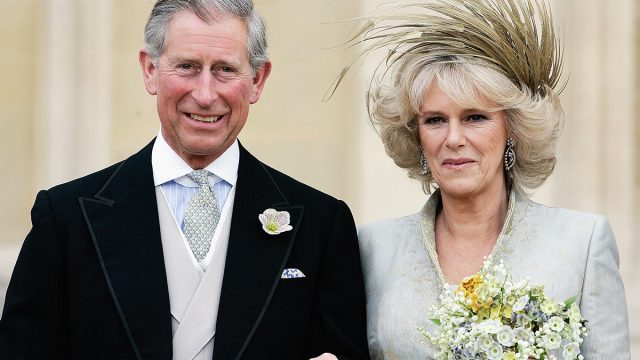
{"x": 423, "y": 163}
{"x": 509, "y": 155}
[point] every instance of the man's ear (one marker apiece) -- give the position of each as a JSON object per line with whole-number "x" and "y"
{"x": 149, "y": 72}
{"x": 259, "y": 80}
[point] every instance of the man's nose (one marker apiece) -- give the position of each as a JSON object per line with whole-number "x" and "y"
{"x": 204, "y": 91}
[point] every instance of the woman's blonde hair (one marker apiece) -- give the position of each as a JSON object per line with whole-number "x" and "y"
{"x": 533, "y": 120}
{"x": 498, "y": 55}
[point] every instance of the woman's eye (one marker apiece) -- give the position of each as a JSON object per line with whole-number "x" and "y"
{"x": 434, "y": 120}
{"x": 477, "y": 117}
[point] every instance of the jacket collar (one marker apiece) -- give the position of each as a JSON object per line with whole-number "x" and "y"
{"x": 255, "y": 260}
{"x": 123, "y": 222}
{"x": 122, "y": 219}
{"x": 516, "y": 211}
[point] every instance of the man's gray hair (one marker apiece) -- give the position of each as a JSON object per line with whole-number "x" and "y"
{"x": 155, "y": 32}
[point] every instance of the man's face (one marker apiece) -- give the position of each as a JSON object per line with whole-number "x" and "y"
{"x": 204, "y": 85}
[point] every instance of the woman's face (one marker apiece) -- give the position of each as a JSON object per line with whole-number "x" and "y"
{"x": 464, "y": 147}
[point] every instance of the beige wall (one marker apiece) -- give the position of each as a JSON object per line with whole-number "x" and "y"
{"x": 73, "y": 101}
{"x": 134, "y": 120}
{"x": 18, "y": 26}
{"x": 291, "y": 128}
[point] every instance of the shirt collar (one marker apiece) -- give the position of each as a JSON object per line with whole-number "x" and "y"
{"x": 167, "y": 165}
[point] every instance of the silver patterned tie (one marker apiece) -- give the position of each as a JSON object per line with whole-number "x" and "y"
{"x": 201, "y": 216}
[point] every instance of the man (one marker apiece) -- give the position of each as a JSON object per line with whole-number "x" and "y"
{"x": 149, "y": 259}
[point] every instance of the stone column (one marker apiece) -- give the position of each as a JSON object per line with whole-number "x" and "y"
{"x": 71, "y": 125}
{"x": 598, "y": 156}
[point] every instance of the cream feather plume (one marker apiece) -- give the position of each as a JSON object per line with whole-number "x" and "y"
{"x": 515, "y": 37}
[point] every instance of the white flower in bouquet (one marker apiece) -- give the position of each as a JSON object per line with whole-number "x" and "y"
{"x": 571, "y": 350}
{"x": 505, "y": 336}
{"x": 552, "y": 341}
{"x": 556, "y": 323}
{"x": 519, "y": 305}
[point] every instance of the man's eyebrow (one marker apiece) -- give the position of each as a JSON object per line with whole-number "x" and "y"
{"x": 220, "y": 62}
{"x": 179, "y": 58}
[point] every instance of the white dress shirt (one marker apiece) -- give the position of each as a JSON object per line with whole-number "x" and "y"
{"x": 170, "y": 173}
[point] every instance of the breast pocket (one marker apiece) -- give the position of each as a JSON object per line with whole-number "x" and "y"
{"x": 290, "y": 311}
{"x": 295, "y": 293}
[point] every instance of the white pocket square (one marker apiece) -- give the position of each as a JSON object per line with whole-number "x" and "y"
{"x": 292, "y": 273}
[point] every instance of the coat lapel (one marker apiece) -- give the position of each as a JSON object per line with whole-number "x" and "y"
{"x": 255, "y": 260}
{"x": 123, "y": 221}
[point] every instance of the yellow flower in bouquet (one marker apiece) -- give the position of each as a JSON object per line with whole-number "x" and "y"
{"x": 471, "y": 288}
{"x": 469, "y": 285}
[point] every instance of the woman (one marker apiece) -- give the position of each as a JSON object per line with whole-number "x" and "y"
{"x": 472, "y": 113}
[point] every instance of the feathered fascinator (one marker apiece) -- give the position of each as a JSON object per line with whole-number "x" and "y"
{"x": 515, "y": 37}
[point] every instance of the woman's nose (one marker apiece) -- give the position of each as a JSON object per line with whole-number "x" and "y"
{"x": 455, "y": 134}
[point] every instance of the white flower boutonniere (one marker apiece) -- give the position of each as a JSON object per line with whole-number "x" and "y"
{"x": 274, "y": 222}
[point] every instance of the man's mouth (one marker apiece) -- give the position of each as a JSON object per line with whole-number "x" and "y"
{"x": 207, "y": 119}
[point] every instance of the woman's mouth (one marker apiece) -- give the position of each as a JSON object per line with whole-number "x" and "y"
{"x": 457, "y": 163}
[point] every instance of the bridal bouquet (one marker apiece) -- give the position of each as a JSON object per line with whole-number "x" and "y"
{"x": 489, "y": 317}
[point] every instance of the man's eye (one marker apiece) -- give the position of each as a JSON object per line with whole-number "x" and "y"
{"x": 186, "y": 66}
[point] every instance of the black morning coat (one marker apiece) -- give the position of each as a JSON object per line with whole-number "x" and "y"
{"x": 90, "y": 280}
